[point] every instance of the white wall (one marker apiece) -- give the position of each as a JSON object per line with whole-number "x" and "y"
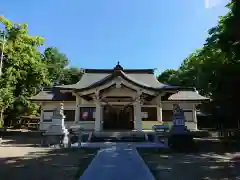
{"x": 90, "y": 125}
{"x": 85, "y": 102}
{"x": 184, "y": 105}
{"x": 47, "y": 115}
{"x": 191, "y": 125}
{"x": 188, "y": 116}
{"x": 53, "y": 105}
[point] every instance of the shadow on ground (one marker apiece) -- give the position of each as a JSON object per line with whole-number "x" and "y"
{"x": 50, "y": 164}
{"x": 21, "y": 141}
{"x": 213, "y": 161}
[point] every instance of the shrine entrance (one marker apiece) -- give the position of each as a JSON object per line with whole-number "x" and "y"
{"x": 118, "y": 117}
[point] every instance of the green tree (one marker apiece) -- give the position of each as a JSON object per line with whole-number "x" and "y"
{"x": 56, "y": 62}
{"x": 24, "y": 72}
{"x": 169, "y": 76}
{"x": 215, "y": 68}
{"x": 225, "y": 38}
{"x": 70, "y": 76}
{"x": 6, "y": 100}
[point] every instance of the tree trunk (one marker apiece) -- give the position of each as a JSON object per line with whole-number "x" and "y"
{"x": 1, "y": 119}
{"x": 1, "y": 115}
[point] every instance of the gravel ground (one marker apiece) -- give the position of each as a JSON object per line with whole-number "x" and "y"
{"x": 192, "y": 166}
{"x": 28, "y": 161}
{"x": 213, "y": 161}
{"x": 22, "y": 158}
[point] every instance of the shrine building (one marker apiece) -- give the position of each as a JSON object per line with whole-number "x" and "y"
{"x": 118, "y": 99}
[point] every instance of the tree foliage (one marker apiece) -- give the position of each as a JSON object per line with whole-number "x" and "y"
{"x": 70, "y": 76}
{"x": 56, "y": 62}
{"x": 26, "y": 70}
{"x": 5, "y": 101}
{"x": 23, "y": 70}
{"x": 215, "y": 68}
{"x": 170, "y": 76}
{"x": 58, "y": 72}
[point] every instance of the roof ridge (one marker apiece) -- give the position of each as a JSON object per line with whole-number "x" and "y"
{"x": 132, "y": 71}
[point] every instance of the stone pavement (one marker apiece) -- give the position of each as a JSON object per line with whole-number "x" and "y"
{"x": 117, "y": 163}
{"x": 126, "y": 144}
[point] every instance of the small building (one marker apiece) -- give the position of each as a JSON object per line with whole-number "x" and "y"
{"x": 118, "y": 99}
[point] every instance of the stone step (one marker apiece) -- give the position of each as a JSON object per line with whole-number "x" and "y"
{"x": 118, "y": 137}
{"x": 114, "y": 139}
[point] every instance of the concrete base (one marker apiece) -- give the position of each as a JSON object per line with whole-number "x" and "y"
{"x": 57, "y": 135}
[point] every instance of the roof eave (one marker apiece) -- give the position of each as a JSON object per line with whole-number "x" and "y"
{"x": 42, "y": 100}
{"x": 64, "y": 88}
{"x": 189, "y": 100}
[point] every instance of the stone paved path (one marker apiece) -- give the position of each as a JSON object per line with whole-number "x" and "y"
{"x": 117, "y": 163}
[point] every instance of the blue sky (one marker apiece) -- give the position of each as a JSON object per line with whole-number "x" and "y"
{"x": 138, "y": 33}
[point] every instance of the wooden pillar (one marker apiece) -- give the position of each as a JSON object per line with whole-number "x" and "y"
{"x": 41, "y": 117}
{"x": 137, "y": 117}
{"x": 98, "y": 116}
{"x": 195, "y": 116}
{"x": 77, "y": 108}
{"x": 159, "y": 113}
{"x": 98, "y": 113}
{"x": 138, "y": 112}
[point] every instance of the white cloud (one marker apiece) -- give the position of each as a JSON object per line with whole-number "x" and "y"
{"x": 212, "y": 3}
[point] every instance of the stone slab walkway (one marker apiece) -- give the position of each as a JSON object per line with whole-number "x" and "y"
{"x": 127, "y": 144}
{"x": 117, "y": 163}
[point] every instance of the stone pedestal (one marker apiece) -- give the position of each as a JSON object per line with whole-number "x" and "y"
{"x": 180, "y": 137}
{"x": 178, "y": 126}
{"x": 57, "y": 132}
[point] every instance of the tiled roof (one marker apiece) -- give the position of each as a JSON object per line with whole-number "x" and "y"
{"x": 56, "y": 95}
{"x": 141, "y": 78}
{"x": 53, "y": 94}
{"x": 187, "y": 96}
{"x": 94, "y": 77}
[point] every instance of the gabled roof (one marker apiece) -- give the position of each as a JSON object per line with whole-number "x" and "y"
{"x": 144, "y": 78}
{"x": 92, "y": 78}
{"x": 53, "y": 94}
{"x": 187, "y": 96}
